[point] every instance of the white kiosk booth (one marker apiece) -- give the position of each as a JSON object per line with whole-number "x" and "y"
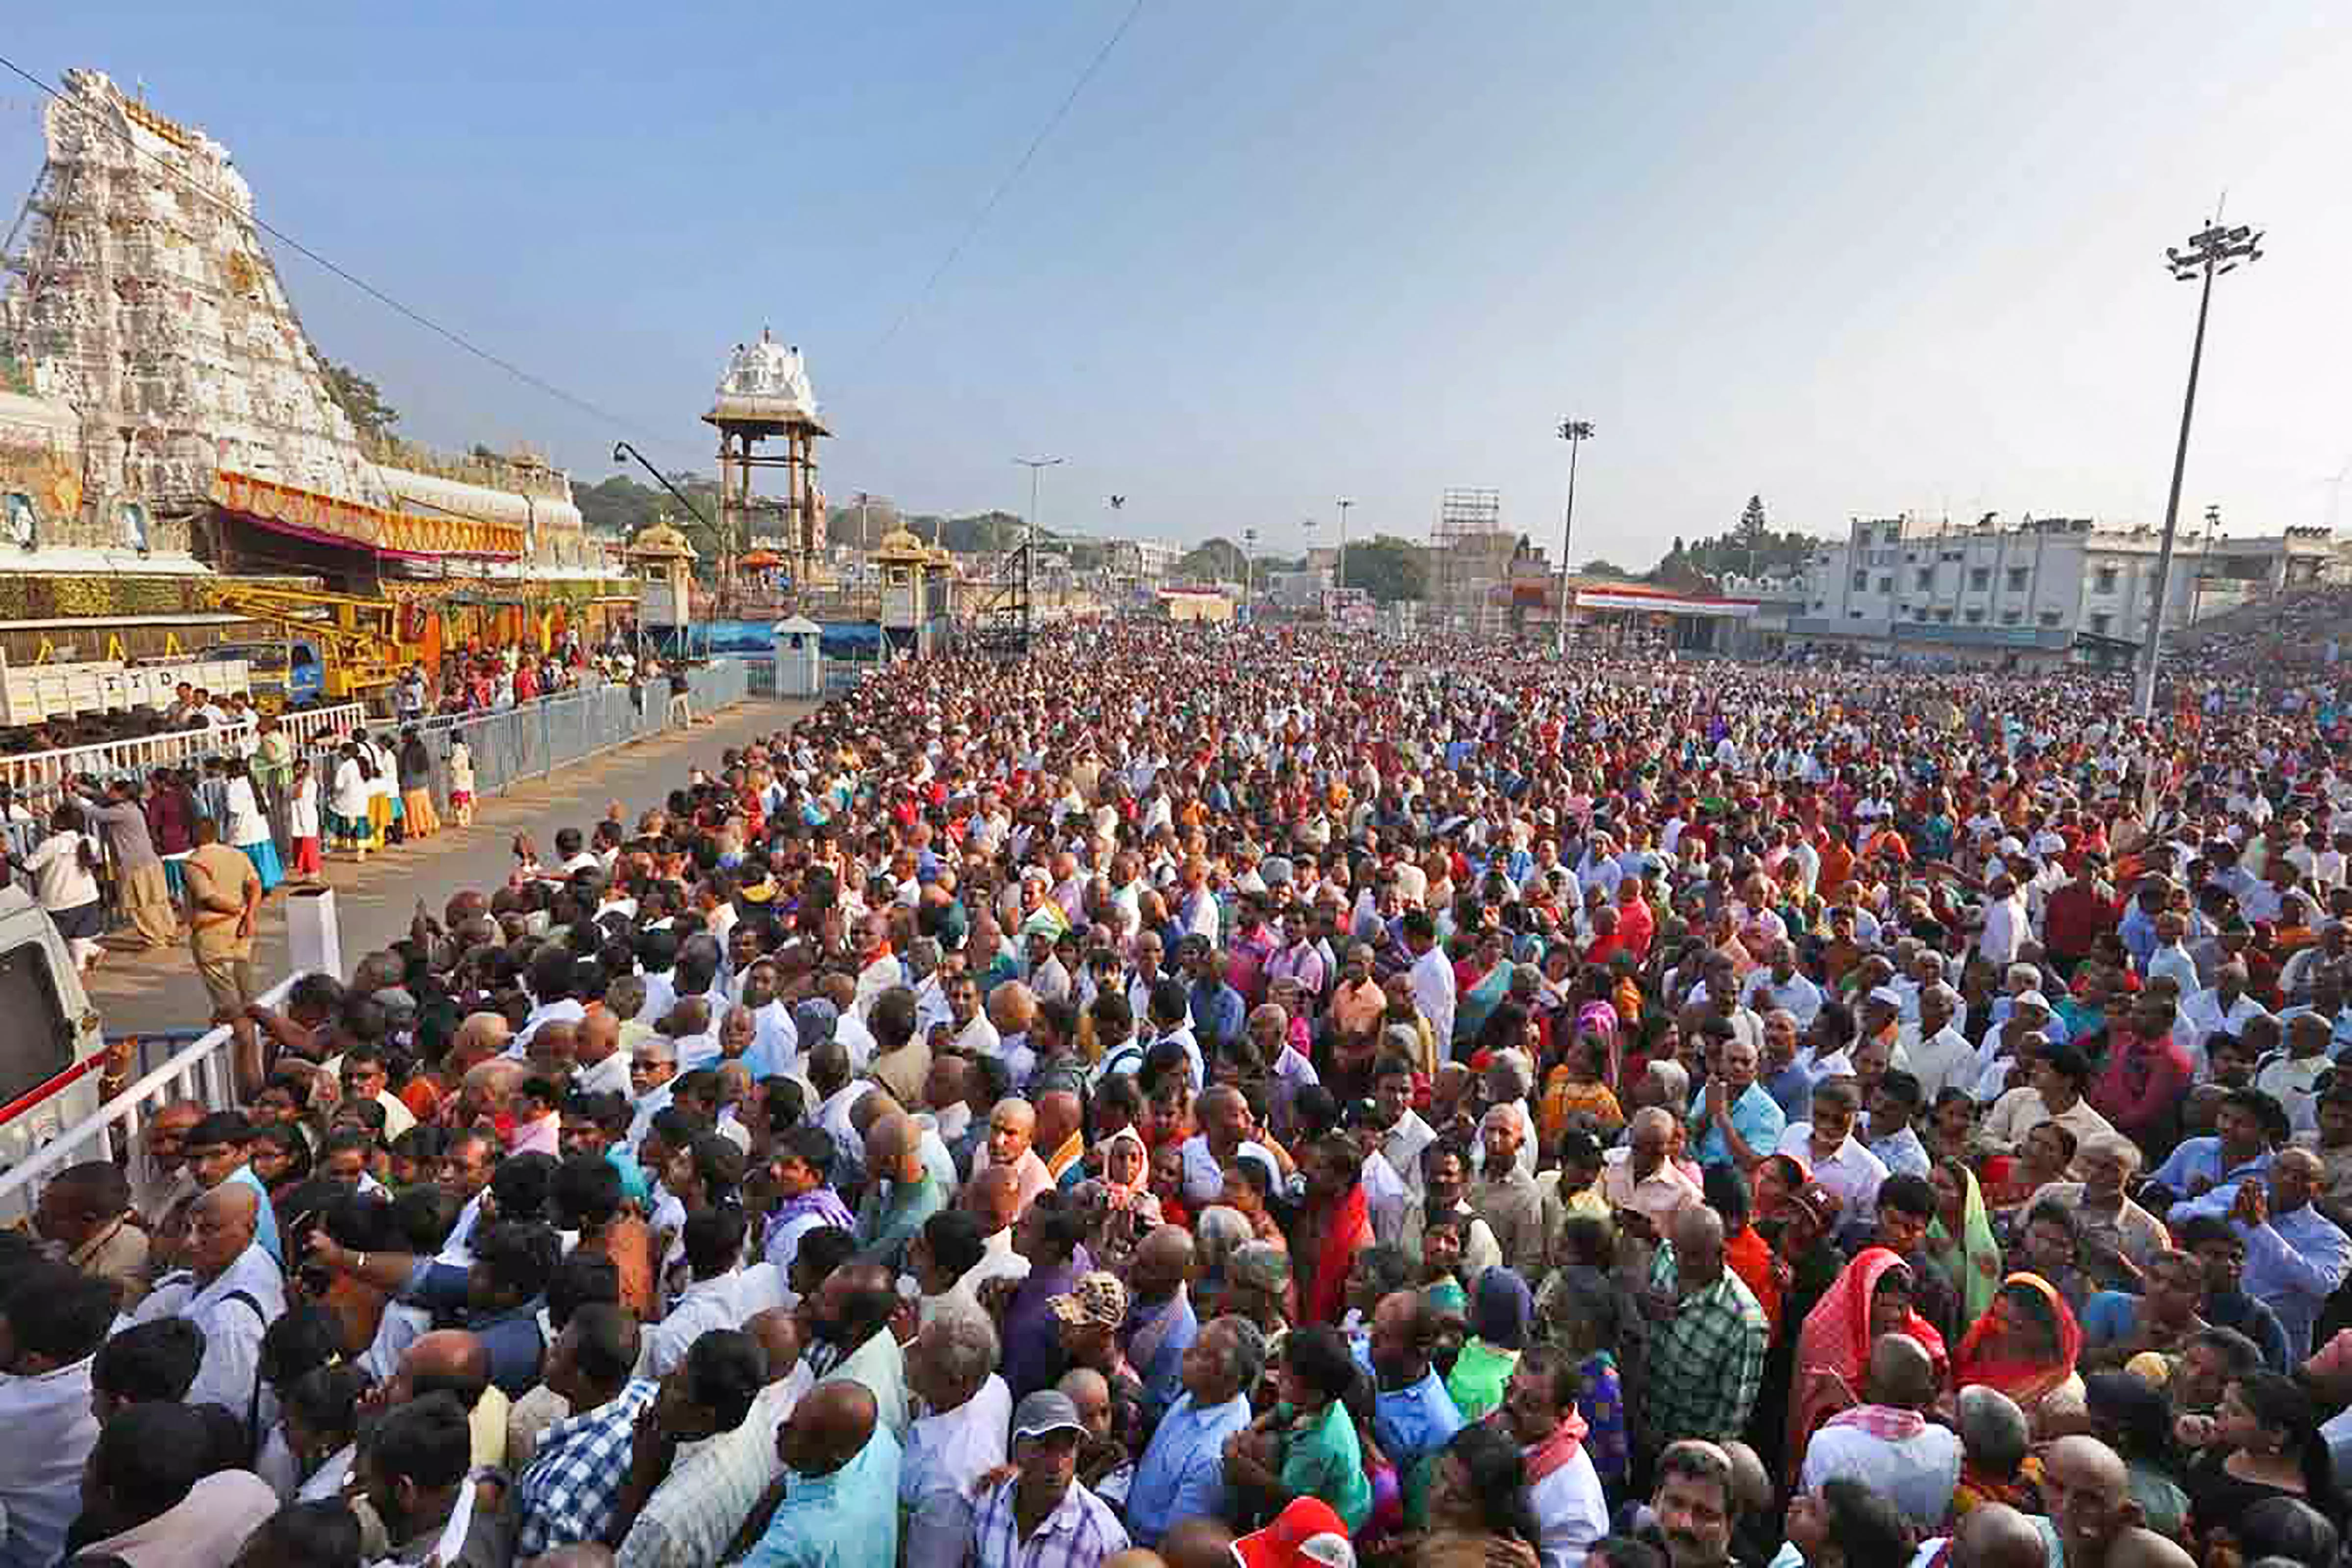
{"x": 800, "y": 665}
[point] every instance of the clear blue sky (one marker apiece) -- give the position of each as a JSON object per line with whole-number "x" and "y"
{"x": 1860, "y": 259}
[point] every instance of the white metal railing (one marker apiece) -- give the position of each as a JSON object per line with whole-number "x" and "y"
{"x": 202, "y": 1072}
{"x": 37, "y": 773}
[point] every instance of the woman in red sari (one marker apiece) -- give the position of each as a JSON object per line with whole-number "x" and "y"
{"x": 1872, "y": 1297}
{"x": 1335, "y": 1225}
{"x": 2025, "y": 1346}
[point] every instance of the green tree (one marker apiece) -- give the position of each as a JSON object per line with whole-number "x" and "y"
{"x": 1598, "y": 567}
{"x": 1388, "y": 568}
{"x": 361, "y": 399}
{"x": 1752, "y": 530}
{"x": 1215, "y": 561}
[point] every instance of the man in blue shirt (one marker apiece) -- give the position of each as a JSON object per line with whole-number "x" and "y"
{"x": 2202, "y": 1174}
{"x": 1181, "y": 1473}
{"x": 1217, "y": 1012}
{"x": 215, "y": 1153}
{"x": 840, "y": 1484}
{"x": 1734, "y": 1120}
{"x": 1160, "y": 1325}
{"x": 2295, "y": 1257}
{"x": 1413, "y": 1414}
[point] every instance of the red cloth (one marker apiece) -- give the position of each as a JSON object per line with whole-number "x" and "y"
{"x": 2074, "y": 919}
{"x": 1833, "y": 1347}
{"x": 2143, "y": 1083}
{"x": 1351, "y": 1222}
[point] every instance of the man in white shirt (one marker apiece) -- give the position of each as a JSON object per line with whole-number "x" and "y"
{"x": 1430, "y": 978}
{"x": 1562, "y": 1487}
{"x": 231, "y": 1290}
{"x": 1781, "y": 986}
{"x": 1938, "y": 1055}
{"x": 951, "y": 1367}
{"x": 56, "y": 1320}
{"x": 2004, "y": 922}
{"x": 1887, "y": 1443}
{"x": 2224, "y": 1007}
{"x": 1838, "y": 1159}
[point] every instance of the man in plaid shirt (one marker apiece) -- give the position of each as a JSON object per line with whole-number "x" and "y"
{"x": 1045, "y": 1517}
{"x": 1706, "y": 1349}
{"x": 568, "y": 1495}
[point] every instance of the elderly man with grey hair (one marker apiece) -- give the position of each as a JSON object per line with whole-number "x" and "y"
{"x": 1182, "y": 1473}
{"x": 1994, "y": 1439}
{"x": 1934, "y": 1050}
{"x": 1505, "y": 1195}
{"x": 952, "y": 1366}
{"x": 1644, "y": 1185}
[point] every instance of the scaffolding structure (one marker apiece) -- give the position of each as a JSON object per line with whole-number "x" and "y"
{"x": 1470, "y": 559}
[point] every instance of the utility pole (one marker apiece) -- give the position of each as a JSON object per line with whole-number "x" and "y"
{"x": 1576, "y": 433}
{"x": 1029, "y": 546}
{"x": 2211, "y": 252}
{"x": 1249, "y": 567}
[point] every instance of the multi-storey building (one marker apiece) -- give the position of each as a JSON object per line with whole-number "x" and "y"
{"x": 2047, "y": 590}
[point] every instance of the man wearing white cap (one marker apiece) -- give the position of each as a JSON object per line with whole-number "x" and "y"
{"x": 1044, "y": 1497}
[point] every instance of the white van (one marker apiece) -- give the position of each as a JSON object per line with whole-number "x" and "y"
{"x": 51, "y": 1052}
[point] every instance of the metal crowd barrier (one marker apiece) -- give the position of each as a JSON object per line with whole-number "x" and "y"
{"x": 202, "y": 1072}
{"x": 35, "y": 776}
{"x": 513, "y": 746}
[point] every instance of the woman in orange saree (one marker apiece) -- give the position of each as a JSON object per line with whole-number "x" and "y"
{"x": 2025, "y": 1346}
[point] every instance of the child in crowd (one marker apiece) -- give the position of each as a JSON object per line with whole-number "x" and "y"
{"x": 303, "y": 820}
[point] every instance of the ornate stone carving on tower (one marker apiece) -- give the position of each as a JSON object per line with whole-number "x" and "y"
{"x": 144, "y": 300}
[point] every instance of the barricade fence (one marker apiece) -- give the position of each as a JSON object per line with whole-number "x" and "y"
{"x": 202, "y": 1071}
{"x": 509, "y": 747}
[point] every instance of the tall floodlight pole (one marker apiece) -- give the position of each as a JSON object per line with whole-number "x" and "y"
{"x": 1029, "y": 545}
{"x": 2211, "y": 252}
{"x": 1340, "y": 579}
{"x": 1576, "y": 433}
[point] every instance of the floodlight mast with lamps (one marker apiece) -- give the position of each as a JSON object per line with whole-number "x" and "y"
{"x": 2210, "y": 253}
{"x": 1576, "y": 433}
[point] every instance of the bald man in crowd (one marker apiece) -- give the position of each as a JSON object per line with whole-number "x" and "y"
{"x": 1011, "y": 1130}
{"x": 231, "y": 1288}
{"x": 903, "y": 1189}
{"x": 840, "y": 1504}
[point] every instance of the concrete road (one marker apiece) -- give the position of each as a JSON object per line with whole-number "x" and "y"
{"x": 139, "y": 992}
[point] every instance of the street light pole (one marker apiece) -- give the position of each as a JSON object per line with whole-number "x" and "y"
{"x": 1576, "y": 433}
{"x": 1340, "y": 579}
{"x": 2211, "y": 252}
{"x": 1029, "y": 545}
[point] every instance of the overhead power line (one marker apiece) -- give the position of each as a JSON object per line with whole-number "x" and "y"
{"x": 1012, "y": 175}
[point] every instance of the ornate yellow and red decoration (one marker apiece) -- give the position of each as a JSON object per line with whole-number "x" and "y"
{"x": 394, "y": 532}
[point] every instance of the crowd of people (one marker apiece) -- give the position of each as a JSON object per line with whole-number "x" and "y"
{"x": 1191, "y": 1097}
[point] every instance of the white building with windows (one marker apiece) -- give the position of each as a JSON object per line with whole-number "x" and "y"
{"x": 2046, "y": 591}
{"x": 1154, "y": 558}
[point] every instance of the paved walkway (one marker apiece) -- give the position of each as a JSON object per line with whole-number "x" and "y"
{"x": 375, "y": 902}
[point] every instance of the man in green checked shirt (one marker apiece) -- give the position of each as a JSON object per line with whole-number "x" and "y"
{"x": 1707, "y": 1339}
